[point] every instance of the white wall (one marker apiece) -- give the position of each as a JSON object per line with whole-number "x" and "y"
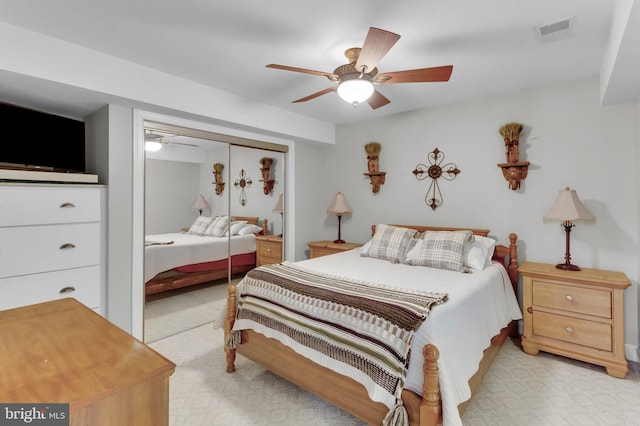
{"x": 171, "y": 187}
{"x": 569, "y": 140}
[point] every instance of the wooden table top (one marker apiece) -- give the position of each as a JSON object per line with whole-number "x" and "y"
{"x": 62, "y": 351}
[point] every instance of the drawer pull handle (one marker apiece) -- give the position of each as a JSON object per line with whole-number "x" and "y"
{"x": 269, "y": 250}
{"x": 66, "y": 205}
{"x": 67, "y": 290}
{"x": 569, "y": 330}
{"x": 570, "y": 298}
{"x": 67, "y": 246}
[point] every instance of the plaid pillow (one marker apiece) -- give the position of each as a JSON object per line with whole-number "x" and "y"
{"x": 389, "y": 243}
{"x": 218, "y": 227}
{"x": 441, "y": 249}
{"x": 200, "y": 225}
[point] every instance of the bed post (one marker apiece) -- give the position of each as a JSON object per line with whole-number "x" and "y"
{"x": 265, "y": 227}
{"x": 229, "y": 319}
{"x": 430, "y": 408}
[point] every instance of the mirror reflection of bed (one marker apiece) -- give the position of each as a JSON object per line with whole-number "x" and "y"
{"x": 188, "y": 225}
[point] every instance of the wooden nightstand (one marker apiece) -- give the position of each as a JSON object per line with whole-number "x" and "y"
{"x": 325, "y": 247}
{"x": 268, "y": 249}
{"x": 577, "y": 314}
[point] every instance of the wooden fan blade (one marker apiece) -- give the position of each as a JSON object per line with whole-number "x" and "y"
{"x": 315, "y": 95}
{"x": 422, "y": 75}
{"x": 377, "y": 100}
{"x": 329, "y": 75}
{"x": 376, "y": 45}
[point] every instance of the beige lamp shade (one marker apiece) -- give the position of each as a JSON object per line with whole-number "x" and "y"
{"x": 279, "y": 208}
{"x": 339, "y": 206}
{"x": 568, "y": 208}
{"x": 200, "y": 204}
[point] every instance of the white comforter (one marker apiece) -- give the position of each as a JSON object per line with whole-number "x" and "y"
{"x": 187, "y": 249}
{"x": 480, "y": 304}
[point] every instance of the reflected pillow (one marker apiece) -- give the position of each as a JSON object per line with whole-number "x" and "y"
{"x": 235, "y": 227}
{"x": 200, "y": 225}
{"x": 218, "y": 227}
{"x": 250, "y": 229}
{"x": 389, "y": 243}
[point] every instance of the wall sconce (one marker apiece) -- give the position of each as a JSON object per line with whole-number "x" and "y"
{"x": 514, "y": 170}
{"x": 266, "y": 162}
{"x": 217, "y": 175}
{"x": 377, "y": 177}
{"x": 241, "y": 183}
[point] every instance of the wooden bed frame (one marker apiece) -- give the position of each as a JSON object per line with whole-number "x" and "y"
{"x": 350, "y": 395}
{"x": 172, "y": 279}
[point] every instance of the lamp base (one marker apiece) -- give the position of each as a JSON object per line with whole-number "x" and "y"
{"x": 339, "y": 241}
{"x": 567, "y": 267}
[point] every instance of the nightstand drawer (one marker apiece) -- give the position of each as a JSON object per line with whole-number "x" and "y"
{"x": 269, "y": 250}
{"x": 581, "y": 332}
{"x": 588, "y": 301}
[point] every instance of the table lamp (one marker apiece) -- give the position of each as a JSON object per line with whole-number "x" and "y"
{"x": 339, "y": 207}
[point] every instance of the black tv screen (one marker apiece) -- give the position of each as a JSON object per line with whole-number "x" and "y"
{"x": 35, "y": 140}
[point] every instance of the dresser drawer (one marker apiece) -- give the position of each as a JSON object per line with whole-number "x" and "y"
{"x": 24, "y": 205}
{"x": 581, "y": 300}
{"x": 82, "y": 284}
{"x": 34, "y": 249}
{"x": 581, "y": 332}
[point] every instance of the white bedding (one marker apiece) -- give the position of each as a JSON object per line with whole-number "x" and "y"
{"x": 480, "y": 304}
{"x": 186, "y": 249}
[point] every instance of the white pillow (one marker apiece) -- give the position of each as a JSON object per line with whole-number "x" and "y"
{"x": 478, "y": 252}
{"x": 235, "y": 227}
{"x": 249, "y": 229}
{"x": 200, "y": 225}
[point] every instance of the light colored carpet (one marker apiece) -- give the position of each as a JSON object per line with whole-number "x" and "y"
{"x": 172, "y": 313}
{"x": 519, "y": 389}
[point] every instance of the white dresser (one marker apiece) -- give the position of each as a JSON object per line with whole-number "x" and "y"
{"x": 51, "y": 244}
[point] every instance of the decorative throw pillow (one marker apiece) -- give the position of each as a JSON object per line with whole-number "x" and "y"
{"x": 442, "y": 249}
{"x": 218, "y": 227}
{"x": 200, "y": 225}
{"x": 389, "y": 243}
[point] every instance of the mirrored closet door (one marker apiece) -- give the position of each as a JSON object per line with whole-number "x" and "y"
{"x": 206, "y": 197}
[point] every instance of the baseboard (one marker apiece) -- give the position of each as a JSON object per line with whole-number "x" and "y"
{"x": 632, "y": 353}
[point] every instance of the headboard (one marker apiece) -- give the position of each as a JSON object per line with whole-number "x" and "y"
{"x": 507, "y": 256}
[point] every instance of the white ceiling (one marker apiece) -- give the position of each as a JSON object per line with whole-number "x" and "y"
{"x": 492, "y": 44}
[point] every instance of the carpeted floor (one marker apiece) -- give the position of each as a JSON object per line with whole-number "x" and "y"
{"x": 519, "y": 389}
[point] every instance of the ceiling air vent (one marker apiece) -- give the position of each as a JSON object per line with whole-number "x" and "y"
{"x": 559, "y": 30}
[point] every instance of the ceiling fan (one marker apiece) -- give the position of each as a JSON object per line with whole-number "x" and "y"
{"x": 154, "y": 141}
{"x": 356, "y": 80}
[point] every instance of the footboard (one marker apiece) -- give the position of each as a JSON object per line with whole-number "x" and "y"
{"x": 335, "y": 388}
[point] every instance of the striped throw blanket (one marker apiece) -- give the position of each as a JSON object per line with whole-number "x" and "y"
{"x": 358, "y": 329}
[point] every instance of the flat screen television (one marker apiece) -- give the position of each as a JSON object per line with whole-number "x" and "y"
{"x": 34, "y": 140}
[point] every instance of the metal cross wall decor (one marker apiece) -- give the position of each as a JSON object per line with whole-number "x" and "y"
{"x": 449, "y": 171}
{"x": 241, "y": 183}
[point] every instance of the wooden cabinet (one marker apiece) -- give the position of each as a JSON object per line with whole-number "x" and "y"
{"x": 51, "y": 244}
{"x": 63, "y": 352}
{"x": 268, "y": 249}
{"x": 326, "y": 247}
{"x": 577, "y": 314}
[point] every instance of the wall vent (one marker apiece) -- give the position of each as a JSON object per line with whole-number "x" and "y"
{"x": 555, "y": 31}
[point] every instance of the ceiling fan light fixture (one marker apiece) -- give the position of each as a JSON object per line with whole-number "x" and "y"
{"x": 355, "y": 90}
{"x": 152, "y": 146}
